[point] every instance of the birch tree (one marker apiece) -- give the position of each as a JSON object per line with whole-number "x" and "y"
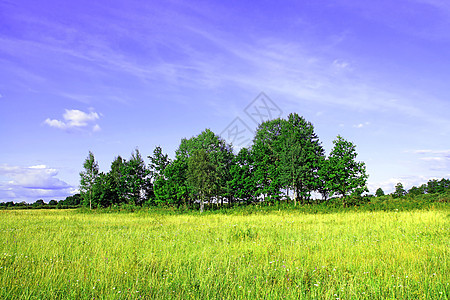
{"x": 88, "y": 177}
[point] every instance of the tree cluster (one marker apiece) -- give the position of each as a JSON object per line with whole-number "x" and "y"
{"x": 128, "y": 181}
{"x": 433, "y": 186}
{"x": 285, "y": 162}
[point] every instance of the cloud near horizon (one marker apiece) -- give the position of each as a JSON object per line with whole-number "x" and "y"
{"x": 21, "y": 183}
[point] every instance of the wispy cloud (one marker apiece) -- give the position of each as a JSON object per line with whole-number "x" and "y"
{"x": 445, "y": 153}
{"x": 437, "y": 160}
{"x": 272, "y": 64}
{"x": 75, "y": 119}
{"x": 341, "y": 64}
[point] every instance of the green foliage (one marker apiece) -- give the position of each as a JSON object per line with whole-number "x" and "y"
{"x": 39, "y": 203}
{"x": 105, "y": 192}
{"x": 379, "y": 192}
{"x": 72, "y": 200}
{"x": 437, "y": 186}
{"x": 347, "y": 175}
{"x": 159, "y": 168}
{"x": 117, "y": 182}
{"x": 220, "y": 156}
{"x": 416, "y": 191}
{"x": 158, "y": 163}
{"x": 175, "y": 190}
{"x": 301, "y": 157}
{"x": 53, "y": 202}
{"x": 202, "y": 176}
{"x": 324, "y": 178}
{"x": 136, "y": 180}
{"x": 286, "y": 156}
{"x": 433, "y": 186}
{"x": 266, "y": 150}
{"x": 219, "y": 151}
{"x": 88, "y": 177}
{"x": 242, "y": 182}
{"x": 399, "y": 191}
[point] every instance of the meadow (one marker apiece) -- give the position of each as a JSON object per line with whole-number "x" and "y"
{"x": 277, "y": 254}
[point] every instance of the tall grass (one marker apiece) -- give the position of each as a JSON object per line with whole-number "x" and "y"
{"x": 269, "y": 255}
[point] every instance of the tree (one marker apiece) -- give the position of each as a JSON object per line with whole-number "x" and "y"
{"x": 437, "y": 186}
{"x": 118, "y": 180}
{"x": 300, "y": 157}
{"x": 242, "y": 182}
{"x": 325, "y": 183}
{"x": 444, "y": 184}
{"x": 39, "y": 203}
{"x": 399, "y": 191}
{"x": 53, "y": 202}
{"x": 266, "y": 150}
{"x": 137, "y": 181}
{"x": 415, "y": 191}
{"x": 379, "y": 192}
{"x": 105, "y": 192}
{"x": 174, "y": 189}
{"x": 202, "y": 175}
{"x": 220, "y": 154}
{"x": 88, "y": 177}
{"x": 157, "y": 169}
{"x": 72, "y": 200}
{"x": 158, "y": 163}
{"x": 347, "y": 175}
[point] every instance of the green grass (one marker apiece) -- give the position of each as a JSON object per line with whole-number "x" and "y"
{"x": 286, "y": 254}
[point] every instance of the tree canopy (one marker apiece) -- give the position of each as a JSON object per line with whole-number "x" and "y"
{"x": 286, "y": 161}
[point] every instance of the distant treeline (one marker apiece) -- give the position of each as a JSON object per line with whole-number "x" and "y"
{"x": 73, "y": 201}
{"x": 433, "y": 186}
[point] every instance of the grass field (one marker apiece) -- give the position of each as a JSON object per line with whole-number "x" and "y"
{"x": 68, "y": 254}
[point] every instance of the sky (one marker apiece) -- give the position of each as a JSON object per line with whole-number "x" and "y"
{"x": 110, "y": 76}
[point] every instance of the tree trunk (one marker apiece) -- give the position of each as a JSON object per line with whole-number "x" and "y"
{"x": 295, "y": 193}
{"x": 201, "y": 204}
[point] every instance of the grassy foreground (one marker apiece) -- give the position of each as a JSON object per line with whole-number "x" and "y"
{"x": 282, "y": 254}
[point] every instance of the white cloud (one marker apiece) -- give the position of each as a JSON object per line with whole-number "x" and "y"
{"x": 19, "y": 183}
{"x": 55, "y": 123}
{"x": 38, "y": 167}
{"x": 78, "y": 118}
{"x": 34, "y": 177}
{"x": 74, "y": 118}
{"x": 361, "y": 125}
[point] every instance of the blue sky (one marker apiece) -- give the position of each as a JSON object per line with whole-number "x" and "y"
{"x": 109, "y": 76}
